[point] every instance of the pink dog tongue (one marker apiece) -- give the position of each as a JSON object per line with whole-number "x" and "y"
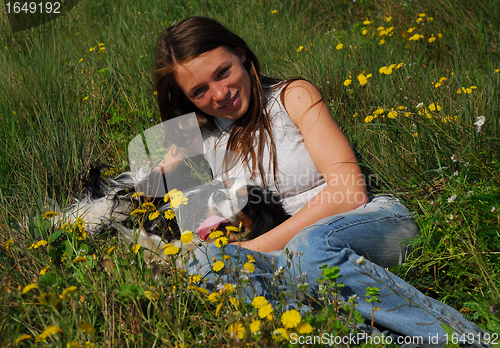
{"x": 207, "y": 225}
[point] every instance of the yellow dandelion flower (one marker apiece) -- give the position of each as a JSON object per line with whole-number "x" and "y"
{"x": 29, "y": 288}
{"x": 177, "y": 198}
{"x": 430, "y": 19}
{"x": 364, "y": 32}
{"x": 410, "y": 30}
{"x": 379, "y": 111}
{"x": 23, "y": 338}
{"x": 388, "y": 18}
{"x": 392, "y": 114}
{"x": 291, "y": 318}
{"x": 440, "y": 35}
{"x": 233, "y": 228}
{"x": 304, "y": 328}
{"x": 68, "y": 290}
{"x": 110, "y": 250}
{"x": 148, "y": 205}
{"x": 227, "y": 257}
{"x": 215, "y": 234}
{"x": 437, "y": 85}
{"x": 49, "y": 331}
{"x": 79, "y": 259}
{"x": 415, "y": 135}
{"x": 399, "y": 66}
{"x": 497, "y": 70}
{"x": 381, "y": 42}
{"x": 49, "y": 214}
{"x": 154, "y": 215}
{"x": 170, "y": 249}
{"x": 195, "y": 278}
{"x": 44, "y": 270}
{"x": 137, "y": 194}
{"x": 38, "y": 244}
{"x": 218, "y": 265}
{"x": 251, "y": 258}
{"x": 221, "y": 242}
{"x": 347, "y": 82}
{"x": 274, "y": 11}
{"x": 281, "y": 334}
{"x": 249, "y": 267}
{"x": 259, "y": 302}
{"x": 300, "y": 49}
{"x": 8, "y": 244}
{"x": 432, "y": 39}
{"x": 214, "y": 297}
{"x": 265, "y": 310}
{"x": 418, "y": 20}
{"x": 66, "y": 227}
{"x": 368, "y": 119}
{"x": 138, "y": 212}
{"x": 367, "y": 22}
{"x": 149, "y": 295}
{"x": 169, "y": 215}
{"x": 415, "y": 37}
{"x": 435, "y": 107}
{"x": 363, "y": 80}
{"x": 136, "y": 248}
{"x": 227, "y": 288}
{"x": 186, "y": 237}
{"x": 355, "y": 114}
{"x": 237, "y": 329}
{"x": 234, "y": 301}
{"x": 255, "y": 326}
{"x": 339, "y": 46}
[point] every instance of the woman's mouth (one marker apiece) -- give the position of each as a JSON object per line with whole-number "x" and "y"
{"x": 231, "y": 104}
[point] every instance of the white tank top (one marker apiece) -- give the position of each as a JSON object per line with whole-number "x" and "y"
{"x": 298, "y": 179}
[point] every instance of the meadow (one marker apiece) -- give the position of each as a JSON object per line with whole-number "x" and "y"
{"x": 415, "y": 86}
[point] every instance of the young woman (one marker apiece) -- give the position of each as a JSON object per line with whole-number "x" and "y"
{"x": 287, "y": 140}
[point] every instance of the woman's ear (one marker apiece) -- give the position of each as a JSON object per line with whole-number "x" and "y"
{"x": 240, "y": 52}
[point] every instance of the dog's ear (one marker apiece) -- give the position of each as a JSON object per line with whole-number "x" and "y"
{"x": 266, "y": 210}
{"x": 92, "y": 181}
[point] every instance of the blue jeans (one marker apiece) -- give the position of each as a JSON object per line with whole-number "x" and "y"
{"x": 377, "y": 231}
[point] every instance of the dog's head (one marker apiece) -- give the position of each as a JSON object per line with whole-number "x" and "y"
{"x": 243, "y": 204}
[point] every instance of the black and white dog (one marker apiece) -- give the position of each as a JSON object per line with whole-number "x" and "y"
{"x": 108, "y": 205}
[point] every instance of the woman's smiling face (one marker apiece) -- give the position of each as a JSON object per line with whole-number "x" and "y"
{"x": 216, "y": 82}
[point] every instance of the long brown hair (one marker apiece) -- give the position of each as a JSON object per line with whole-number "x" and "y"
{"x": 189, "y": 39}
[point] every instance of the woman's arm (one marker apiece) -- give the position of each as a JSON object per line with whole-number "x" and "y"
{"x": 332, "y": 155}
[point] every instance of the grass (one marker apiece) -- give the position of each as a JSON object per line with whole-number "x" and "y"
{"x": 79, "y": 88}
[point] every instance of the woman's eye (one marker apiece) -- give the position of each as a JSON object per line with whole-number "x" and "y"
{"x": 198, "y": 91}
{"x": 222, "y": 72}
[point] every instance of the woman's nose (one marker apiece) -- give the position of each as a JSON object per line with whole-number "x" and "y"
{"x": 221, "y": 93}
